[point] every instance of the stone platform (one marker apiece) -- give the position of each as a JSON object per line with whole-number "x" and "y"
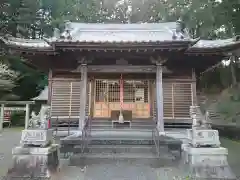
{"x": 207, "y": 163}
{"x": 34, "y": 162}
{"x": 121, "y": 146}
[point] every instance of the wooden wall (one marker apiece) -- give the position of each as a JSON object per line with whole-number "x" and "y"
{"x": 178, "y": 96}
{"x": 65, "y": 99}
{"x": 179, "y": 93}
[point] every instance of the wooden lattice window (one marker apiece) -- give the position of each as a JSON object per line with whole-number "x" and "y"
{"x": 177, "y": 98}
{"x": 65, "y": 101}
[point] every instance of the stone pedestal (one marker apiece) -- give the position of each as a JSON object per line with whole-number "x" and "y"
{"x": 212, "y": 172}
{"x": 208, "y": 163}
{"x": 34, "y": 162}
{"x": 203, "y": 137}
{"x": 37, "y": 137}
{"x": 206, "y": 156}
{"x": 203, "y": 154}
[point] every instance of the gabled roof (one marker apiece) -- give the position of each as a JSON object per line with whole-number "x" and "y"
{"x": 157, "y": 35}
{"x": 121, "y": 33}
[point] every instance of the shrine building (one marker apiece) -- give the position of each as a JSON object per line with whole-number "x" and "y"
{"x": 144, "y": 71}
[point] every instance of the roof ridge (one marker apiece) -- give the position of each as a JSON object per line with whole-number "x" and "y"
{"x": 121, "y": 30}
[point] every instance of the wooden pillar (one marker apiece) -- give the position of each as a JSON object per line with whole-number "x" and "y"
{"x": 1, "y": 117}
{"x": 83, "y": 98}
{"x": 194, "y": 88}
{"x": 50, "y": 81}
{"x": 159, "y": 99}
{"x": 27, "y": 116}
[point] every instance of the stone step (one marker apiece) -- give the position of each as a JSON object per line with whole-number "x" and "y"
{"x": 117, "y": 149}
{"x": 177, "y": 126}
{"x": 105, "y": 141}
{"x": 121, "y": 141}
{"x": 75, "y": 145}
{"x": 110, "y": 122}
{"x": 140, "y": 123}
{"x": 133, "y": 121}
{"x": 134, "y": 158}
{"x": 133, "y": 126}
{"x": 119, "y": 130}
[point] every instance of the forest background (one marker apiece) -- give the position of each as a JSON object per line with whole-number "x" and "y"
{"x": 207, "y": 19}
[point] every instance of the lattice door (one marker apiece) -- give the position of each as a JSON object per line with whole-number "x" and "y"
{"x": 135, "y": 98}
{"x": 107, "y": 93}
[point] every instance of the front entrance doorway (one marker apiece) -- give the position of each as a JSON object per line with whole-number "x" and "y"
{"x": 134, "y": 94}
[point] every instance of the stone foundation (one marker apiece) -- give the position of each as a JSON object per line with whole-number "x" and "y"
{"x": 34, "y": 162}
{"x": 212, "y": 172}
{"x": 208, "y": 163}
{"x": 207, "y": 156}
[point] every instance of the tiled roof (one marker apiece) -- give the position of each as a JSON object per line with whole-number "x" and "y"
{"x": 28, "y": 43}
{"x": 209, "y": 44}
{"x": 121, "y": 33}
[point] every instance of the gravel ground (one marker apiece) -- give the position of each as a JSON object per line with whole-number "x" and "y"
{"x": 11, "y": 137}
{"x": 8, "y": 139}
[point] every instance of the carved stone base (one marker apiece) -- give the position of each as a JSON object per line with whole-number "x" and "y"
{"x": 203, "y": 137}
{"x": 206, "y": 156}
{"x": 34, "y": 162}
{"x": 212, "y": 172}
{"x": 208, "y": 163}
{"x": 38, "y": 137}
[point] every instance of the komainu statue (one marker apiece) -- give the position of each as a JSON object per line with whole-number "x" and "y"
{"x": 40, "y": 121}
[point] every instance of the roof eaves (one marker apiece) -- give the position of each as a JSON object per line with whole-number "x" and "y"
{"x": 26, "y": 43}
{"x": 215, "y": 45}
{"x": 121, "y": 41}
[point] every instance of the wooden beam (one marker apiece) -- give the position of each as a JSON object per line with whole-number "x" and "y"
{"x": 17, "y": 102}
{"x": 116, "y": 69}
{"x": 121, "y": 69}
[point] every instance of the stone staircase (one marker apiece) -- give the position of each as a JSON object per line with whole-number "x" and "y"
{"x": 112, "y": 145}
{"x": 109, "y": 144}
{"x": 115, "y": 149}
{"x": 214, "y": 116}
{"x": 112, "y": 150}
